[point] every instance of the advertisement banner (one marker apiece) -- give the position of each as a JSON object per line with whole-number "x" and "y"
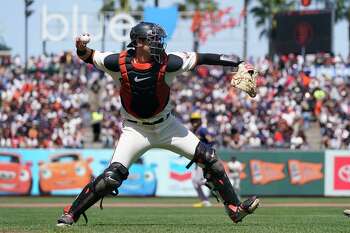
{"x": 337, "y": 182}
{"x": 49, "y": 171}
{"x": 66, "y": 172}
{"x": 280, "y": 173}
{"x": 173, "y": 179}
{"x": 163, "y": 173}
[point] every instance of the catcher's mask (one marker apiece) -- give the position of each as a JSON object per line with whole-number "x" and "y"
{"x": 154, "y": 34}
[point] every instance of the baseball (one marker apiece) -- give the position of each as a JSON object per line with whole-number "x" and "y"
{"x": 85, "y": 38}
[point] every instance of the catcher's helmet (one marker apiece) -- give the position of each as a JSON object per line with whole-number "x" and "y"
{"x": 154, "y": 34}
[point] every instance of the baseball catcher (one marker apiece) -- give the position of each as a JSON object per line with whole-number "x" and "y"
{"x": 144, "y": 73}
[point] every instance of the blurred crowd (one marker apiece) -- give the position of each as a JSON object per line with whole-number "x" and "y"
{"x": 61, "y": 100}
{"x": 296, "y": 95}
{"x": 54, "y": 105}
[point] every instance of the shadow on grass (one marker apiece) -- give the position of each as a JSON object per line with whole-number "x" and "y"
{"x": 177, "y": 224}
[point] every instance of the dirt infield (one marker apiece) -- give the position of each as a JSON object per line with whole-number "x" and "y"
{"x": 165, "y": 205}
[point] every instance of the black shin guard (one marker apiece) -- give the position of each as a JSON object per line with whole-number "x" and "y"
{"x": 84, "y": 201}
{"x": 103, "y": 185}
{"x": 215, "y": 174}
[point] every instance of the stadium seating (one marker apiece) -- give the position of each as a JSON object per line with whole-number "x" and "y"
{"x": 301, "y": 104}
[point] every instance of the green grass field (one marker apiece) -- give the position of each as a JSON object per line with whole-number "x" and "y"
{"x": 181, "y": 217}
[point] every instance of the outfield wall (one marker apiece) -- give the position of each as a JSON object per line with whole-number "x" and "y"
{"x": 281, "y": 173}
{"x": 163, "y": 173}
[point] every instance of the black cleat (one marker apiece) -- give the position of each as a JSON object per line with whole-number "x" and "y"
{"x": 65, "y": 220}
{"x": 246, "y": 207}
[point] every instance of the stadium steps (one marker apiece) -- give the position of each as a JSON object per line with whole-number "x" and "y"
{"x": 313, "y": 136}
{"x": 89, "y": 139}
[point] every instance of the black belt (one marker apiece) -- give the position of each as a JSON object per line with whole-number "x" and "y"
{"x": 151, "y": 123}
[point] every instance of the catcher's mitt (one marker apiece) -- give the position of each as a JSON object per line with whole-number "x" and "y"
{"x": 245, "y": 79}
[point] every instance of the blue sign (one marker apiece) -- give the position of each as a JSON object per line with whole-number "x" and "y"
{"x": 165, "y": 17}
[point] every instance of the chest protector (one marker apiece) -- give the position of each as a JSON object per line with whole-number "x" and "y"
{"x": 143, "y": 92}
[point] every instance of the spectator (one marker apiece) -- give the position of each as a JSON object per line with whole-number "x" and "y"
{"x": 234, "y": 171}
{"x": 53, "y": 104}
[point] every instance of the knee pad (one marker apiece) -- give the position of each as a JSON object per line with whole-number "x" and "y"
{"x": 111, "y": 178}
{"x": 115, "y": 174}
{"x": 206, "y": 156}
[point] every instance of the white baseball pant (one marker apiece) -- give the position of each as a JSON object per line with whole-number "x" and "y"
{"x": 137, "y": 138}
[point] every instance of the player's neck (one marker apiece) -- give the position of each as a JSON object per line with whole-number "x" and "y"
{"x": 142, "y": 57}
